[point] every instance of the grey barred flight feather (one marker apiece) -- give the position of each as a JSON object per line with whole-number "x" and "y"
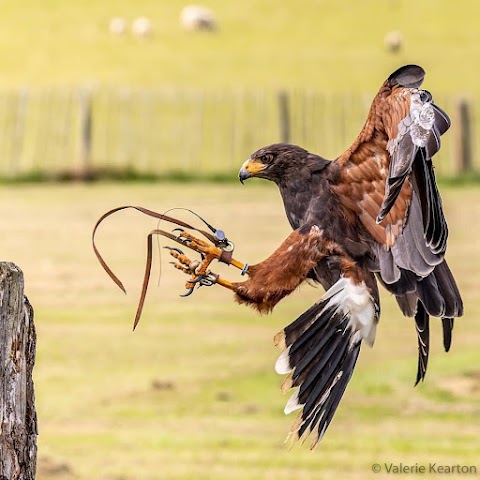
{"x": 381, "y": 218}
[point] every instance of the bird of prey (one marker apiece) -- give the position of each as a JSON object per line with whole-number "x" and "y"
{"x": 373, "y": 215}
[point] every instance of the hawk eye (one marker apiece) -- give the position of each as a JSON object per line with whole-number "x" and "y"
{"x": 267, "y": 158}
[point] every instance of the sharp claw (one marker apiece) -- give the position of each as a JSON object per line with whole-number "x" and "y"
{"x": 189, "y": 292}
{"x": 175, "y": 250}
{"x": 205, "y": 280}
{"x": 177, "y": 230}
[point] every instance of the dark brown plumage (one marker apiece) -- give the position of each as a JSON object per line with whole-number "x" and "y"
{"x": 373, "y": 213}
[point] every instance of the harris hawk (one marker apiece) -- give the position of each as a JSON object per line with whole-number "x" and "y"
{"x": 373, "y": 215}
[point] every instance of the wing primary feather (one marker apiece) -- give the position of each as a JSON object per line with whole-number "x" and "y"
{"x": 442, "y": 120}
{"x": 304, "y": 321}
{"x": 414, "y": 231}
{"x": 407, "y": 303}
{"x": 410, "y": 76}
{"x": 434, "y": 223}
{"x": 407, "y": 283}
{"x": 429, "y": 293}
{"x": 422, "y": 321}
{"x": 313, "y": 343}
{"x": 325, "y": 414}
{"x": 420, "y": 187}
{"x": 308, "y": 339}
{"x": 410, "y": 250}
{"x": 439, "y": 231}
{"x": 448, "y": 290}
{"x": 433, "y": 143}
{"x": 318, "y": 379}
{"x": 447, "y": 324}
{"x": 403, "y": 157}
{"x": 323, "y": 356}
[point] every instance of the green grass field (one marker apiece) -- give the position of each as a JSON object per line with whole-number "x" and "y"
{"x": 192, "y": 394}
{"x": 327, "y": 45}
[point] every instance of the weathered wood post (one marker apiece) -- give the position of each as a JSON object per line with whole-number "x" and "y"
{"x": 18, "y": 419}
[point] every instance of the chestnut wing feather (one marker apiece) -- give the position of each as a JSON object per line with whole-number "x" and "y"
{"x": 390, "y": 162}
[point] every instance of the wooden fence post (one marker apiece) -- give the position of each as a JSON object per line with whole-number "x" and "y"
{"x": 463, "y": 137}
{"x": 85, "y": 134}
{"x": 284, "y": 116}
{"x": 18, "y": 419}
{"x": 18, "y": 133}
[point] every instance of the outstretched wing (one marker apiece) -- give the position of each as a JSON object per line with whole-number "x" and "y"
{"x": 412, "y": 142}
{"x": 390, "y": 163}
{"x": 386, "y": 178}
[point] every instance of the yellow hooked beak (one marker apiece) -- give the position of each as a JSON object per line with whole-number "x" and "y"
{"x": 250, "y": 168}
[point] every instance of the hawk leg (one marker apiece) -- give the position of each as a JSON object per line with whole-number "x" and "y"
{"x": 269, "y": 281}
{"x": 198, "y": 270}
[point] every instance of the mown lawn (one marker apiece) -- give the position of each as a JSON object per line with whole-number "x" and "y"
{"x": 192, "y": 392}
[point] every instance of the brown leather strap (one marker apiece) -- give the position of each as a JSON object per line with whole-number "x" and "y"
{"x": 146, "y": 212}
{"x": 148, "y": 266}
{"x": 148, "y": 269}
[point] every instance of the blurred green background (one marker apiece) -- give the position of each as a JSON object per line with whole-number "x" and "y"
{"x": 325, "y": 45}
{"x": 192, "y": 393}
{"x": 78, "y": 100}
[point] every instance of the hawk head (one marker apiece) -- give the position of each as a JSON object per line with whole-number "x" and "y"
{"x": 279, "y": 162}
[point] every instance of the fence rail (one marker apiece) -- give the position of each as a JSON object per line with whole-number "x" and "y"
{"x": 160, "y": 132}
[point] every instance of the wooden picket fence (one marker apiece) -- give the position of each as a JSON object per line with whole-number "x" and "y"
{"x": 163, "y": 132}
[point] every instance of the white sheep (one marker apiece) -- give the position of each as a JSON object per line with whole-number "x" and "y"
{"x": 117, "y": 26}
{"x": 142, "y": 27}
{"x": 195, "y": 17}
{"x": 393, "y": 41}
